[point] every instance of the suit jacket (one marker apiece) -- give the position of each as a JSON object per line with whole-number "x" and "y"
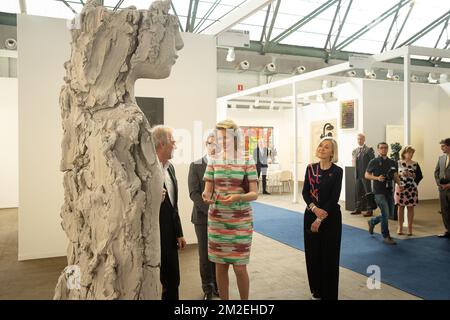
{"x": 261, "y": 157}
{"x": 362, "y": 160}
{"x": 169, "y": 218}
{"x": 196, "y": 187}
{"x": 442, "y": 172}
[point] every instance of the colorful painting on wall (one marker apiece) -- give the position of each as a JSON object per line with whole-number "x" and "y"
{"x": 251, "y": 135}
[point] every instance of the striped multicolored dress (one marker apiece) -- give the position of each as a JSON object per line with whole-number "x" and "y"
{"x": 230, "y": 227}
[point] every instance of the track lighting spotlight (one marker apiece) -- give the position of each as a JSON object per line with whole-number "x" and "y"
{"x": 433, "y": 78}
{"x": 351, "y": 73}
{"x": 370, "y": 74}
{"x": 271, "y": 67}
{"x": 299, "y": 70}
{"x": 244, "y": 65}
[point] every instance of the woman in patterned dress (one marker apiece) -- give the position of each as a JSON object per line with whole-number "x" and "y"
{"x": 410, "y": 176}
{"x": 230, "y": 220}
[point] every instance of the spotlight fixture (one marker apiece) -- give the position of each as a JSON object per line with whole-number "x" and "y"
{"x": 271, "y": 67}
{"x": 299, "y": 70}
{"x": 327, "y": 127}
{"x": 11, "y": 44}
{"x": 433, "y": 78}
{"x": 351, "y": 73}
{"x": 414, "y": 78}
{"x": 370, "y": 74}
{"x": 391, "y": 76}
{"x": 231, "y": 55}
{"x": 244, "y": 65}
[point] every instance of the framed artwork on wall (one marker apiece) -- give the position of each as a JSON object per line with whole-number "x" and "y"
{"x": 347, "y": 113}
{"x": 153, "y": 108}
{"x": 251, "y": 135}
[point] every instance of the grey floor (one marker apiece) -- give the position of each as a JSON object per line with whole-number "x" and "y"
{"x": 276, "y": 271}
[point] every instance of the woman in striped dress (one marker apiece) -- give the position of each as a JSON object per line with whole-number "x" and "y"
{"x": 230, "y": 183}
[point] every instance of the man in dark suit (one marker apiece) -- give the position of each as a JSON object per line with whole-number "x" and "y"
{"x": 442, "y": 176}
{"x": 361, "y": 158}
{"x": 261, "y": 156}
{"x": 200, "y": 220}
{"x": 171, "y": 232}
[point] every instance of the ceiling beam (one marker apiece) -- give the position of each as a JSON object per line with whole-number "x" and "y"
{"x": 206, "y": 16}
{"x": 390, "y": 28}
{"x": 338, "y": 8}
{"x": 272, "y": 24}
{"x": 310, "y": 52}
{"x": 371, "y": 25}
{"x": 303, "y": 21}
{"x": 176, "y": 14}
{"x": 193, "y": 16}
{"x": 23, "y": 6}
{"x": 69, "y": 6}
{"x": 263, "y": 33}
{"x": 426, "y": 30}
{"x": 8, "y": 19}
{"x": 236, "y": 16}
{"x": 411, "y": 7}
{"x": 341, "y": 26}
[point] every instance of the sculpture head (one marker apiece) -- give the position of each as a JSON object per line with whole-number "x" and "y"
{"x": 111, "y": 47}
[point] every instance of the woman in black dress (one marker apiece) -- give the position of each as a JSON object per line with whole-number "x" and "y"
{"x": 323, "y": 221}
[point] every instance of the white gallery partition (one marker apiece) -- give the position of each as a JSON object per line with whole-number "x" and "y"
{"x": 380, "y": 104}
{"x": 9, "y": 144}
{"x": 189, "y": 98}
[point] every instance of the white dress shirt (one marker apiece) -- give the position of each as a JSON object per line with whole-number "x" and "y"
{"x": 169, "y": 183}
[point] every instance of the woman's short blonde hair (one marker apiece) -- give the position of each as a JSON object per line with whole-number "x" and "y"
{"x": 335, "y": 155}
{"x": 230, "y": 125}
{"x": 405, "y": 150}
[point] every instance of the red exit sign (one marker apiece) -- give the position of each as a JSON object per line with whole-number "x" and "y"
{"x": 240, "y": 87}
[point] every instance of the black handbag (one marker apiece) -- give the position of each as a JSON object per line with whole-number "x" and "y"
{"x": 370, "y": 200}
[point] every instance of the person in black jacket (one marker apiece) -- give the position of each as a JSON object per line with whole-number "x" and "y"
{"x": 361, "y": 158}
{"x": 200, "y": 219}
{"x": 323, "y": 221}
{"x": 261, "y": 157}
{"x": 171, "y": 232}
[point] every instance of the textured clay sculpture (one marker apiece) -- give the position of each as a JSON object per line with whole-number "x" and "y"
{"x": 112, "y": 177}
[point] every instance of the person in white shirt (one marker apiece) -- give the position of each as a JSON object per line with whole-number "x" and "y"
{"x": 171, "y": 232}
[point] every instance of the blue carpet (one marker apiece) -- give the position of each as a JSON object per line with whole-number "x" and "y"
{"x": 419, "y": 266}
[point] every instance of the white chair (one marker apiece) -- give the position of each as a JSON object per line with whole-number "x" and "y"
{"x": 286, "y": 177}
{"x": 273, "y": 180}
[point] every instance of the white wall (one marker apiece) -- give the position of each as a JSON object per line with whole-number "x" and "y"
{"x": 279, "y": 120}
{"x": 9, "y": 144}
{"x": 189, "y": 94}
{"x": 228, "y": 81}
{"x": 383, "y": 105}
{"x": 346, "y": 138}
{"x": 379, "y": 103}
{"x": 40, "y": 75}
{"x": 190, "y": 106}
{"x": 444, "y": 110}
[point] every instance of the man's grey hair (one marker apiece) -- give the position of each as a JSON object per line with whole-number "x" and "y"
{"x": 160, "y": 135}
{"x": 211, "y": 134}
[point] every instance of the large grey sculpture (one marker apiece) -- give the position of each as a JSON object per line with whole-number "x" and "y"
{"x": 112, "y": 177}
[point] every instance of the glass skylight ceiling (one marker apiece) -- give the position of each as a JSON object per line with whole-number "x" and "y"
{"x": 312, "y": 34}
